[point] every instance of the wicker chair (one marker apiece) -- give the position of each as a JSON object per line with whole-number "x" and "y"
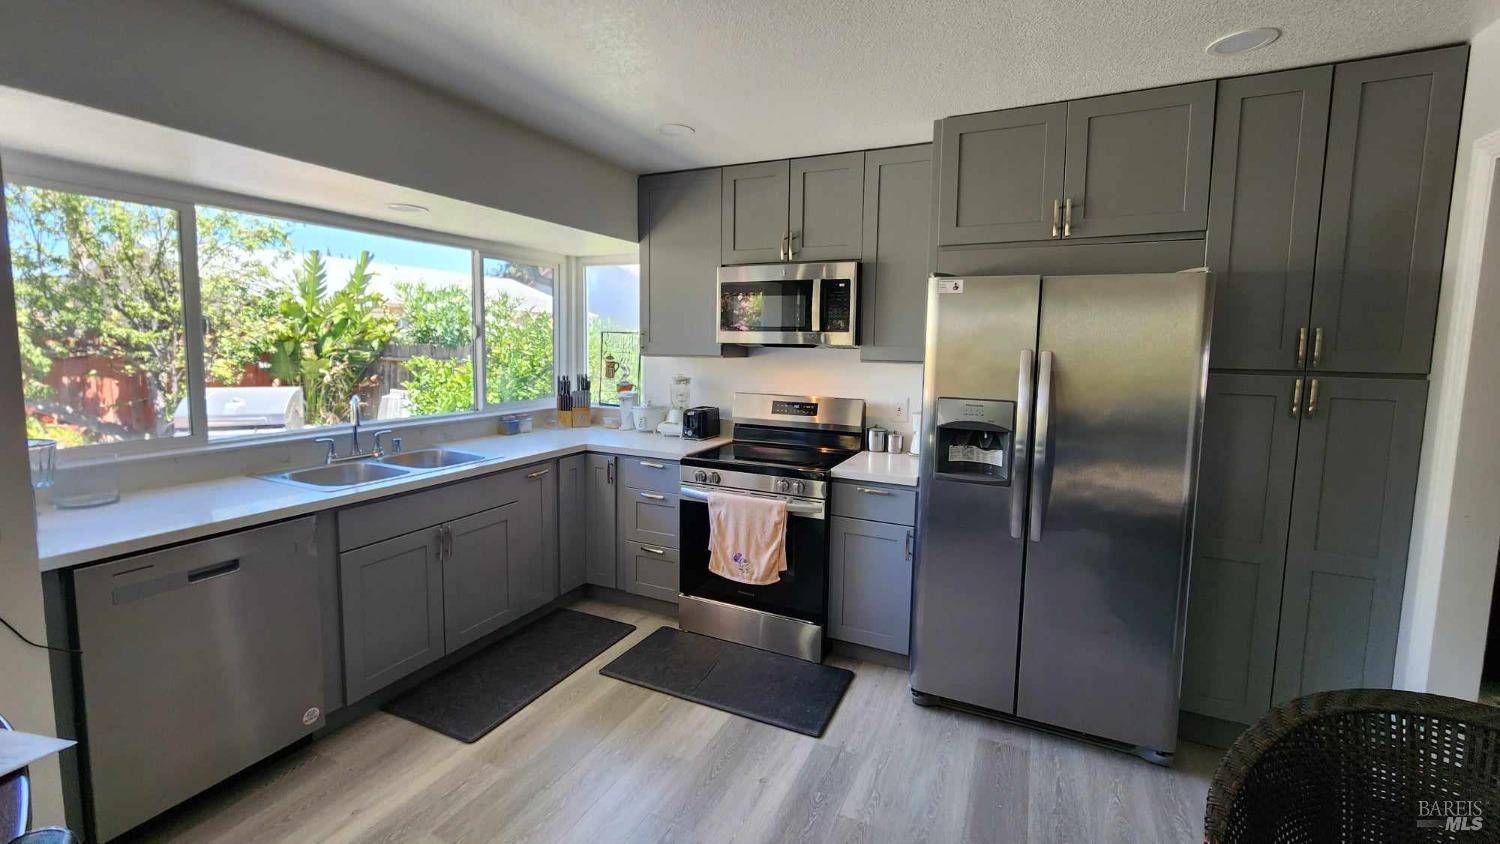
{"x": 1353, "y": 765}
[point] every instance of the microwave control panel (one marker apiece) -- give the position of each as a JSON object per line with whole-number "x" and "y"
{"x": 834, "y": 308}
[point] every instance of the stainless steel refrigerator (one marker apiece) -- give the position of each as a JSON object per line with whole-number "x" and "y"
{"x": 1061, "y": 420}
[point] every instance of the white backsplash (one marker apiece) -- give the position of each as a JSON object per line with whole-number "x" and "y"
{"x": 828, "y": 372}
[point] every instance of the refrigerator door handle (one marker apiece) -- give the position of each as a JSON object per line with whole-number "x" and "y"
{"x": 1041, "y": 464}
{"x": 1025, "y": 382}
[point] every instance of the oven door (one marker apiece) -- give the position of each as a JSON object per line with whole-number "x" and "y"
{"x": 802, "y": 591}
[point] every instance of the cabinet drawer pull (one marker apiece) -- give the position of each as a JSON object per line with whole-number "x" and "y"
{"x": 1302, "y": 347}
{"x": 1312, "y": 397}
{"x": 538, "y": 473}
{"x": 654, "y": 496}
{"x": 1056, "y": 216}
{"x": 1296, "y": 398}
{"x": 1068, "y": 217}
{"x": 649, "y": 550}
{"x": 651, "y": 464}
{"x": 868, "y": 491}
{"x": 1317, "y": 357}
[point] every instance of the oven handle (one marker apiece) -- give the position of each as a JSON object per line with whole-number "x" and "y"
{"x": 800, "y": 507}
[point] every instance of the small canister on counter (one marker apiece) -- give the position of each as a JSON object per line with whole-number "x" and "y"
{"x": 895, "y": 442}
{"x": 876, "y": 438}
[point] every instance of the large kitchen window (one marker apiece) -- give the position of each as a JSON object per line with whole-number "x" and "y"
{"x": 149, "y": 322}
{"x": 99, "y": 309}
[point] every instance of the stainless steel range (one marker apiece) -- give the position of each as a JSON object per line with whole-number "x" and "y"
{"x": 784, "y": 447}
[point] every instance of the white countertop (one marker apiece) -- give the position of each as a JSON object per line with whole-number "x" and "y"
{"x": 152, "y": 518}
{"x": 879, "y": 467}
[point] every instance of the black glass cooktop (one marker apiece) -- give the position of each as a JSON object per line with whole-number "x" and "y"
{"x": 771, "y": 459}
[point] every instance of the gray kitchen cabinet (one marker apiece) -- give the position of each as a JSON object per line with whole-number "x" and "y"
{"x": 650, "y": 570}
{"x": 599, "y": 529}
{"x": 535, "y": 580}
{"x": 1248, "y": 455}
{"x": 572, "y": 522}
{"x": 1392, "y": 140}
{"x": 1000, "y": 174}
{"x": 647, "y": 516}
{"x": 894, "y": 271}
{"x": 869, "y": 583}
{"x": 392, "y": 596}
{"x": 826, "y": 219}
{"x": 1355, "y": 485}
{"x": 484, "y": 556}
{"x": 679, "y": 254}
{"x": 753, "y": 215}
{"x": 1138, "y": 163}
{"x": 1269, "y": 141}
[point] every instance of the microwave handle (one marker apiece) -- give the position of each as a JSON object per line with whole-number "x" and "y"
{"x": 817, "y": 306}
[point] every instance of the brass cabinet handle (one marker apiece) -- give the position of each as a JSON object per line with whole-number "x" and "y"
{"x": 650, "y": 464}
{"x": 1056, "y": 216}
{"x": 1312, "y": 397}
{"x": 654, "y": 496}
{"x": 1317, "y": 348}
{"x": 537, "y": 474}
{"x": 1302, "y": 347}
{"x": 649, "y": 550}
{"x": 1296, "y": 398}
{"x": 1068, "y": 217}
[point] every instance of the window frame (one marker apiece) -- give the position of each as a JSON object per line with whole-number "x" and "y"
{"x": 580, "y": 266}
{"x": 184, "y": 199}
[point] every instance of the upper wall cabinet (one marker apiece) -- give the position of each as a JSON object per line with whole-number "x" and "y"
{"x": 1269, "y": 140}
{"x": 806, "y": 209}
{"x": 1127, "y": 164}
{"x": 1002, "y": 175}
{"x": 1392, "y": 139}
{"x": 893, "y": 275}
{"x": 679, "y": 224}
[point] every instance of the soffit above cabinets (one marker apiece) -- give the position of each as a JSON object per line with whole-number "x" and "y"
{"x": 764, "y": 80}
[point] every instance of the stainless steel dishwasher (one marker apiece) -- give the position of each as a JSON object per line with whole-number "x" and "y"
{"x": 196, "y": 662}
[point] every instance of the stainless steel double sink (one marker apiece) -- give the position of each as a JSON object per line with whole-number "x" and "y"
{"x": 361, "y": 472}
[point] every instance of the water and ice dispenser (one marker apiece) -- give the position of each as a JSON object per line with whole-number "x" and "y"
{"x": 974, "y": 440}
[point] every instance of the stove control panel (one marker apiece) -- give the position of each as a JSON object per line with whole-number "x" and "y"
{"x": 754, "y": 482}
{"x": 791, "y": 487}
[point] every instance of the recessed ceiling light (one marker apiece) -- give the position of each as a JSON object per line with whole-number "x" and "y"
{"x": 1243, "y": 41}
{"x": 676, "y": 130}
{"x": 407, "y": 207}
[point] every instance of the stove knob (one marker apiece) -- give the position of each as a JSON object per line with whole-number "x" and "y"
{"x": 713, "y": 477}
{"x": 798, "y": 487}
{"x": 700, "y": 476}
{"x": 783, "y": 485}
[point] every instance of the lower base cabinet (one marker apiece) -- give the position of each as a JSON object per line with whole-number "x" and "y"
{"x": 600, "y": 567}
{"x": 650, "y": 570}
{"x": 410, "y": 599}
{"x": 1305, "y": 494}
{"x": 869, "y": 583}
{"x": 572, "y": 521}
{"x": 647, "y": 533}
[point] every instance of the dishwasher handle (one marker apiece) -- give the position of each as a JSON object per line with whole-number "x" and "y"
{"x": 213, "y": 571}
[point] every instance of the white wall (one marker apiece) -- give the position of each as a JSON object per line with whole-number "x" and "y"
{"x": 25, "y": 679}
{"x": 1456, "y": 529}
{"x": 828, "y": 372}
{"x": 224, "y": 73}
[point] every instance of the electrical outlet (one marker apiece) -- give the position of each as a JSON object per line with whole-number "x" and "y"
{"x": 900, "y": 412}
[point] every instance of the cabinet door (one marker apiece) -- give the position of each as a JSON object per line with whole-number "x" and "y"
{"x": 650, "y": 517}
{"x": 754, "y": 212}
{"x": 679, "y": 222}
{"x": 1239, "y": 545}
{"x": 479, "y": 572}
{"x": 599, "y": 535}
{"x": 535, "y": 578}
{"x": 1269, "y": 140}
{"x": 1000, "y": 173}
{"x": 869, "y": 583}
{"x": 392, "y": 595}
{"x": 650, "y": 570}
{"x": 1138, "y": 163}
{"x": 1392, "y": 139}
{"x": 1351, "y": 523}
{"x": 572, "y": 522}
{"x": 827, "y": 207}
{"x": 897, "y": 243}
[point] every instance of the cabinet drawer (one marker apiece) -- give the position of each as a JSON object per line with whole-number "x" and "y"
{"x": 402, "y": 514}
{"x": 650, "y": 474}
{"x": 650, "y": 570}
{"x": 875, "y": 502}
{"x": 648, "y": 516}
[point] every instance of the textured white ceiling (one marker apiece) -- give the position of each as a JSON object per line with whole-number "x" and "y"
{"x": 766, "y": 79}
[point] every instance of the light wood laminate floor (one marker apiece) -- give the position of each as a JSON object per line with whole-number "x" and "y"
{"x": 600, "y": 760}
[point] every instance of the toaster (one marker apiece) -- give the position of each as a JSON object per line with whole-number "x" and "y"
{"x": 700, "y": 423}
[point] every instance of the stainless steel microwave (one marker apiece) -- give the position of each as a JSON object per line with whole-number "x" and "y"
{"x": 789, "y": 304}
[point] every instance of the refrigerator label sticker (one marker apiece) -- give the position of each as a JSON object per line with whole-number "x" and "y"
{"x": 975, "y": 454}
{"x": 951, "y": 285}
